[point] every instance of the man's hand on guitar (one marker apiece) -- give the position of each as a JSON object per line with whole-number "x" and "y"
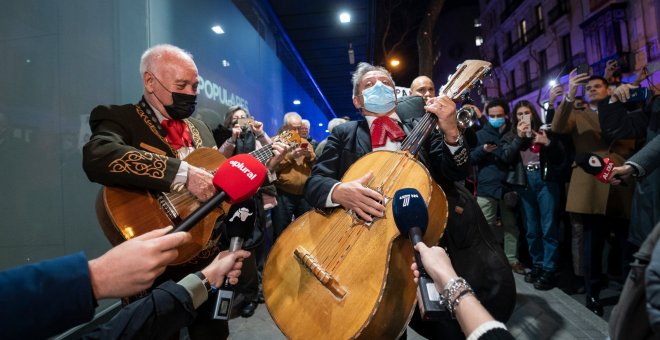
{"x": 355, "y": 196}
{"x": 200, "y": 183}
{"x": 445, "y": 109}
{"x": 279, "y": 151}
{"x": 226, "y": 264}
{"x": 133, "y": 265}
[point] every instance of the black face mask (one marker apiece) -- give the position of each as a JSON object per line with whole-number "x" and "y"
{"x": 183, "y": 105}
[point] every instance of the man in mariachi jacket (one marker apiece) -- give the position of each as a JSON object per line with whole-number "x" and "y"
{"x": 143, "y": 146}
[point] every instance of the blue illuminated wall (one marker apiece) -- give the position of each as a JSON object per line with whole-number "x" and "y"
{"x": 237, "y": 67}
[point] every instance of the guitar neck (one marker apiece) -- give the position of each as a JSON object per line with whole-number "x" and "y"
{"x": 263, "y": 154}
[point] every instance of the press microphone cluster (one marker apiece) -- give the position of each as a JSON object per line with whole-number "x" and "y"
{"x": 239, "y": 226}
{"x": 237, "y": 179}
{"x": 600, "y": 168}
{"x": 411, "y": 217}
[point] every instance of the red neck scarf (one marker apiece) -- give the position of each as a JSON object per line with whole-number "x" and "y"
{"x": 178, "y": 134}
{"x": 383, "y": 127}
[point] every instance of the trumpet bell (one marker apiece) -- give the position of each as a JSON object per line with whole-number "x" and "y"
{"x": 465, "y": 117}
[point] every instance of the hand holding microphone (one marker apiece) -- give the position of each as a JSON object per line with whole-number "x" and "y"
{"x": 239, "y": 226}
{"x": 411, "y": 217}
{"x": 599, "y": 167}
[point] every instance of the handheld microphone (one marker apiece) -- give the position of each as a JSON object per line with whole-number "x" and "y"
{"x": 237, "y": 179}
{"x": 599, "y": 167}
{"x": 239, "y": 226}
{"x": 411, "y": 217}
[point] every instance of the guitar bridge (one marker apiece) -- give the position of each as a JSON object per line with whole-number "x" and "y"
{"x": 326, "y": 278}
{"x": 168, "y": 207}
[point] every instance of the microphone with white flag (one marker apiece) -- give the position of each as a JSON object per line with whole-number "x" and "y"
{"x": 240, "y": 224}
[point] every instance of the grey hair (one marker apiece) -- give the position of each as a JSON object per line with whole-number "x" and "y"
{"x": 149, "y": 58}
{"x": 361, "y": 70}
{"x": 306, "y": 123}
{"x": 290, "y": 115}
{"x": 334, "y": 122}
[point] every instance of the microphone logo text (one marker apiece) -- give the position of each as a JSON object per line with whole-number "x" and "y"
{"x": 406, "y": 199}
{"x": 240, "y": 166}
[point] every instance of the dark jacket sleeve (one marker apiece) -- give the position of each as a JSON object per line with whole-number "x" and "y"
{"x": 444, "y": 164}
{"x": 111, "y": 157}
{"x": 162, "y": 313}
{"x": 326, "y": 172}
{"x": 46, "y": 298}
{"x": 617, "y": 123}
{"x": 653, "y": 289}
{"x": 509, "y": 150}
{"x": 649, "y": 156}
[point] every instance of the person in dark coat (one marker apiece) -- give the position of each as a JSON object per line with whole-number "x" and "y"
{"x": 618, "y": 122}
{"x": 497, "y": 148}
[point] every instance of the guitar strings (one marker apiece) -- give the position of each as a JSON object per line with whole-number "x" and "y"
{"x": 335, "y": 245}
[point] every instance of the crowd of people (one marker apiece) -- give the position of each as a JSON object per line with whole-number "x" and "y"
{"x": 525, "y": 189}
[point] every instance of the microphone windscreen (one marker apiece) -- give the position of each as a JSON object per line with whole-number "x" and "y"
{"x": 240, "y": 177}
{"x": 591, "y": 163}
{"x": 409, "y": 210}
{"x": 240, "y": 219}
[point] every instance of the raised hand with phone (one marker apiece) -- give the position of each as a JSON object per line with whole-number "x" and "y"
{"x": 579, "y": 76}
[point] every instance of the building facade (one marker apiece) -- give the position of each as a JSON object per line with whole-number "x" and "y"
{"x": 533, "y": 42}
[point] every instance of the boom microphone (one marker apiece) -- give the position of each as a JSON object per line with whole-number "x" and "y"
{"x": 599, "y": 167}
{"x": 240, "y": 224}
{"x": 237, "y": 179}
{"x": 411, "y": 217}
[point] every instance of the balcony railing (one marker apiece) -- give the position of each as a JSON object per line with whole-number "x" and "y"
{"x": 533, "y": 33}
{"x": 562, "y": 7}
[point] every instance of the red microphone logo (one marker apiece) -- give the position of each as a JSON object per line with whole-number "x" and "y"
{"x": 606, "y": 173}
{"x": 241, "y": 166}
{"x": 240, "y": 177}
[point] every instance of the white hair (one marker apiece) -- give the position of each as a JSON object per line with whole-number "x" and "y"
{"x": 150, "y": 57}
{"x": 306, "y": 123}
{"x": 290, "y": 115}
{"x": 334, "y": 122}
{"x": 362, "y": 69}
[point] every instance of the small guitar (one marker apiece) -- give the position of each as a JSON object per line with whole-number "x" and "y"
{"x": 127, "y": 213}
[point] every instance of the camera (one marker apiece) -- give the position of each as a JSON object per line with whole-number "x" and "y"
{"x": 244, "y": 123}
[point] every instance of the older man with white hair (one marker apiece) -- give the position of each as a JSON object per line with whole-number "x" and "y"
{"x": 331, "y": 125}
{"x": 292, "y": 173}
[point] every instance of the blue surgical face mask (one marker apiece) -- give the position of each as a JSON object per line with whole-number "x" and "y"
{"x": 379, "y": 98}
{"x": 496, "y": 122}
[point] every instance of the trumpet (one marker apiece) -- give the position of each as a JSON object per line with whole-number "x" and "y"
{"x": 465, "y": 117}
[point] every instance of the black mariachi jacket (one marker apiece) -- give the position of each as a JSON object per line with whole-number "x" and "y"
{"x": 128, "y": 149}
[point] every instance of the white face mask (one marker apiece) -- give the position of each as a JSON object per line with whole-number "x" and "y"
{"x": 379, "y": 98}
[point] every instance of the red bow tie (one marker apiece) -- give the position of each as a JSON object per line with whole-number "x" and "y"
{"x": 384, "y": 127}
{"x": 178, "y": 134}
